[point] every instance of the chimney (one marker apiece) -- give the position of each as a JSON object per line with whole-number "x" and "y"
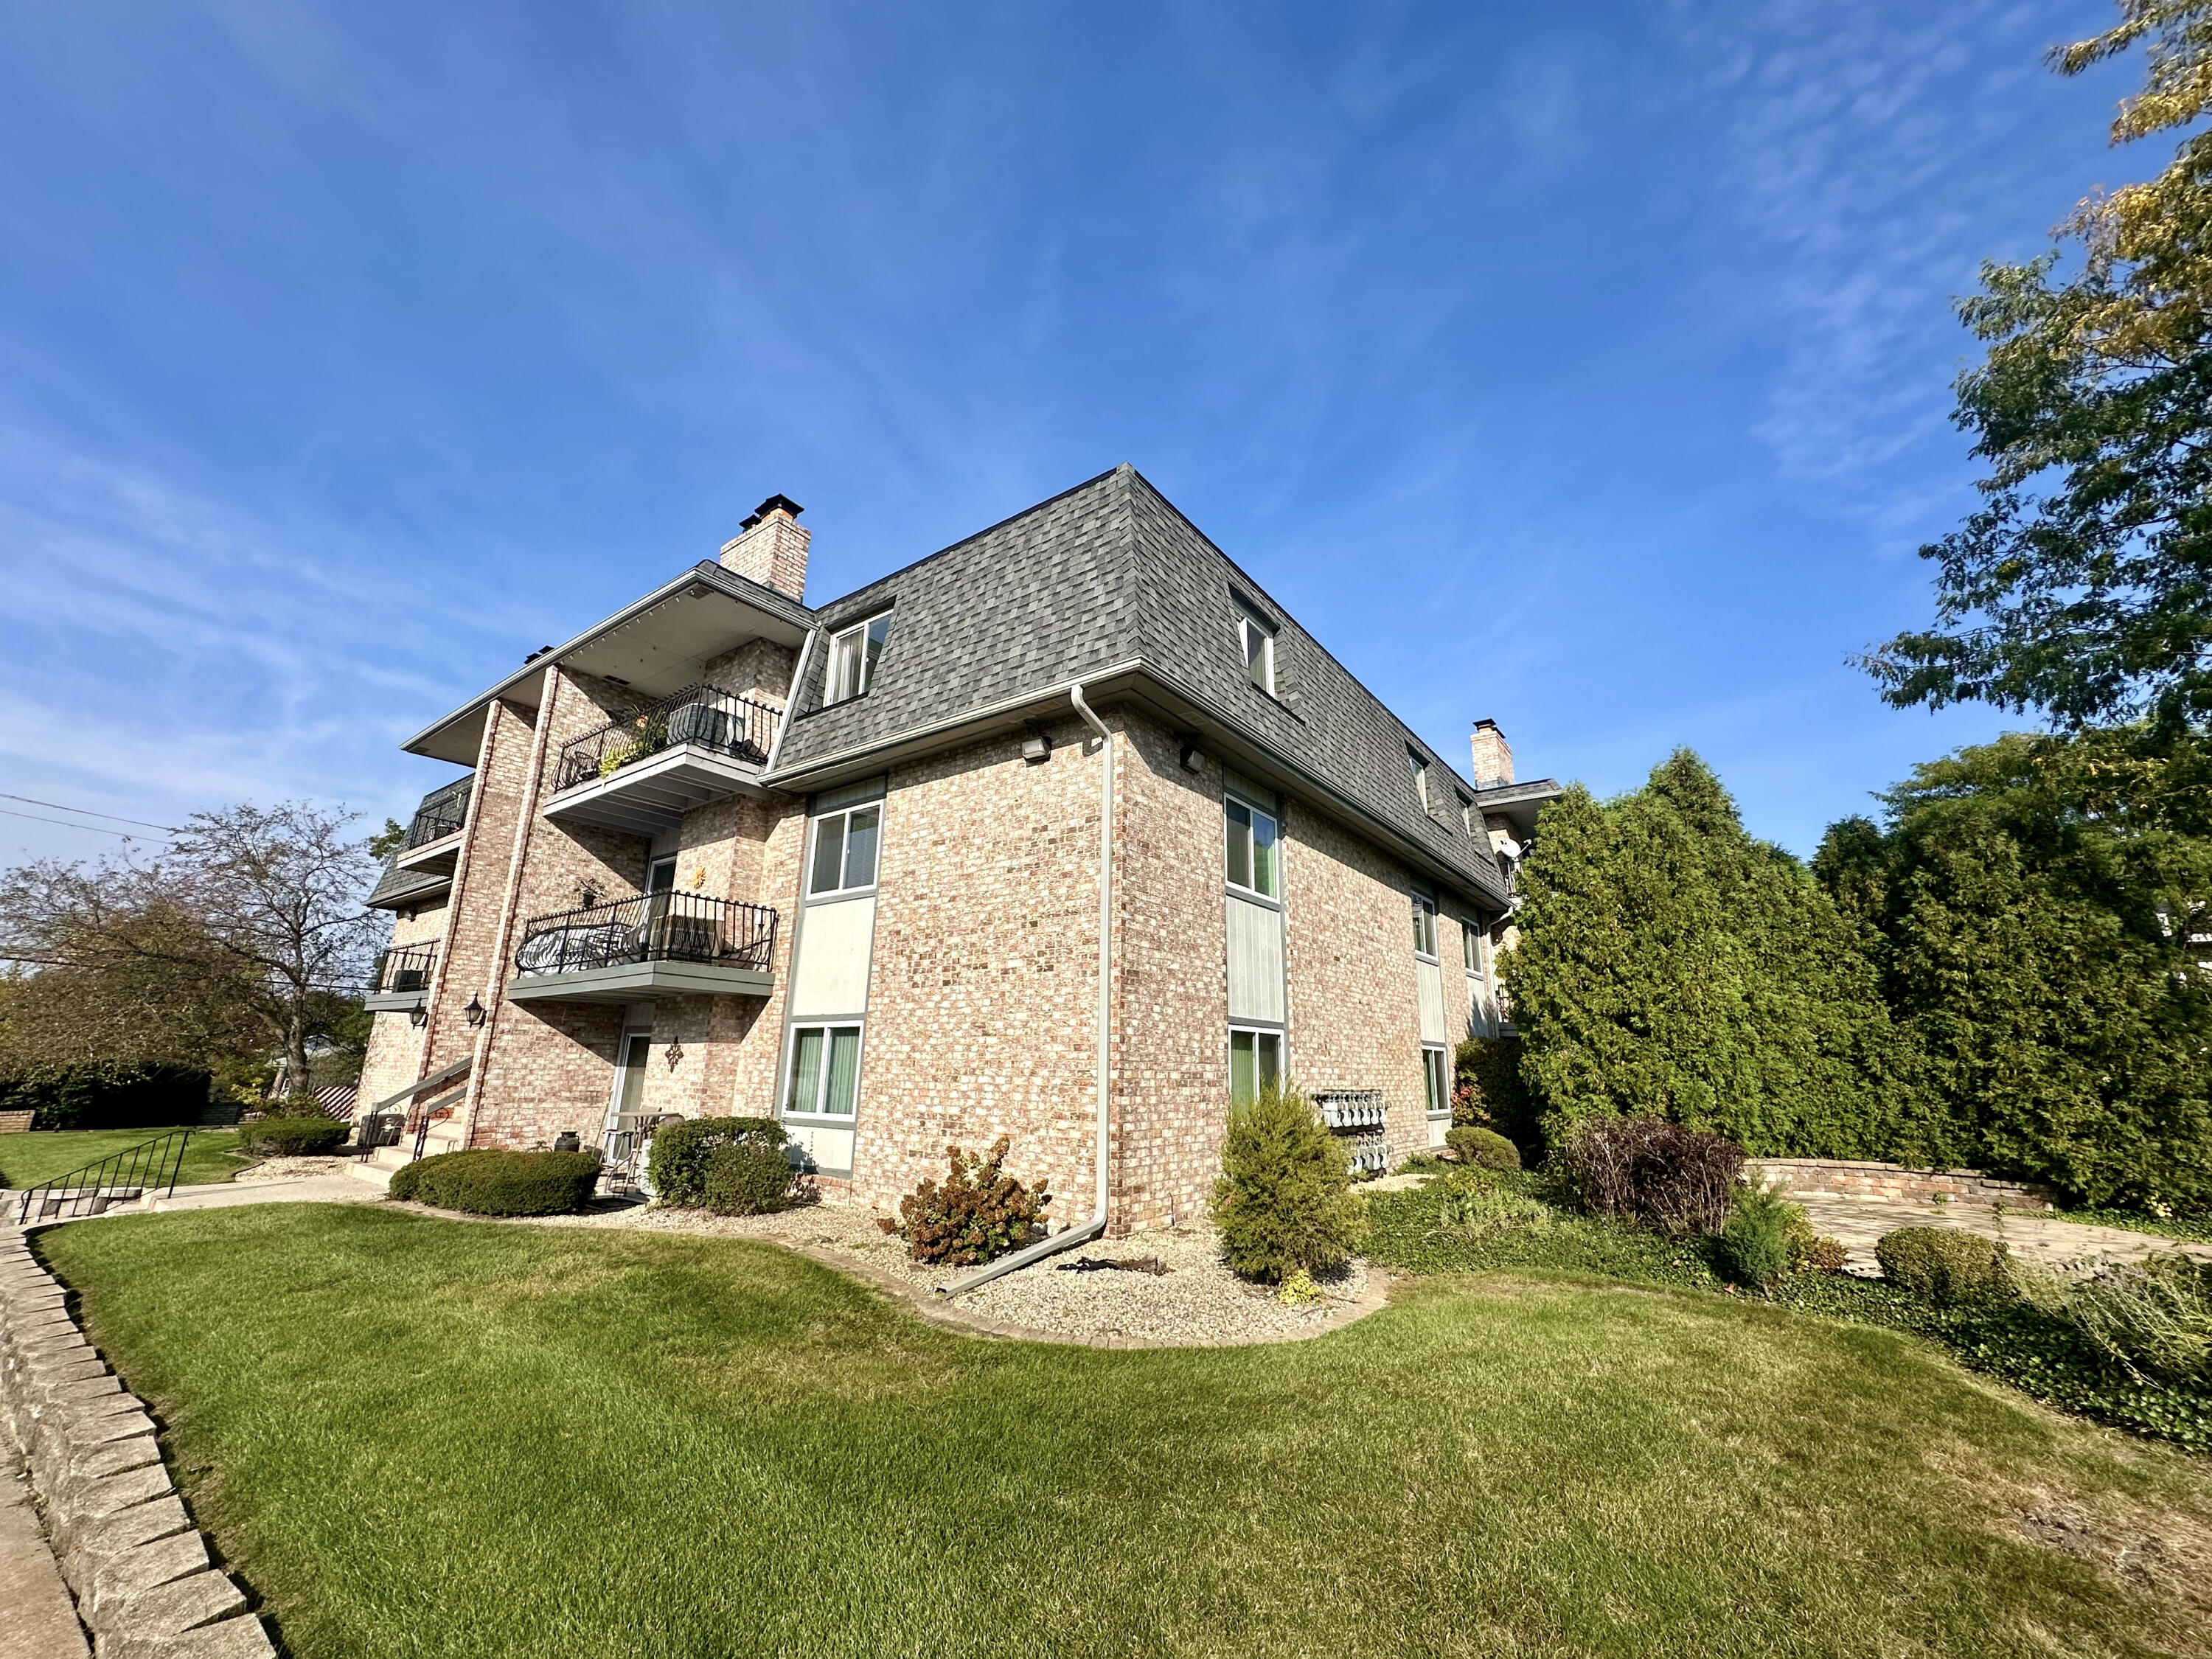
{"x": 1493, "y": 756}
{"x": 771, "y": 548}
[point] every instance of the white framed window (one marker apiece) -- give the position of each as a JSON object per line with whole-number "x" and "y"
{"x": 1420, "y": 776}
{"x": 1256, "y": 1059}
{"x": 1467, "y": 819}
{"x": 845, "y": 846}
{"x": 1424, "y": 927}
{"x": 1471, "y": 944}
{"x": 853, "y": 655}
{"x": 1255, "y": 849}
{"x": 824, "y": 1073}
{"x": 1257, "y": 641}
{"x": 660, "y": 875}
{"x": 1436, "y": 1080}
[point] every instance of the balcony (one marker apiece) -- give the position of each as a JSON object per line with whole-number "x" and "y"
{"x": 642, "y": 774}
{"x": 403, "y": 980}
{"x": 662, "y": 944}
{"x": 423, "y": 868}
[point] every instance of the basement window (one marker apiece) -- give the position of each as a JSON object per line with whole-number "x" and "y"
{"x": 854, "y": 653}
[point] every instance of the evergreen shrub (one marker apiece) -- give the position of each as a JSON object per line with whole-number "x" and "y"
{"x": 975, "y": 1214}
{"x": 490, "y": 1182}
{"x": 1755, "y": 1247}
{"x": 1941, "y": 1266}
{"x": 1482, "y": 1148}
{"x": 293, "y": 1137}
{"x": 747, "y": 1178}
{"x": 1488, "y": 1093}
{"x": 1284, "y": 1201}
{"x": 1660, "y": 1174}
{"x": 677, "y": 1165}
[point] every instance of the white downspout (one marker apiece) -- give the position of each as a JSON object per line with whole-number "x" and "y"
{"x": 1096, "y": 1225}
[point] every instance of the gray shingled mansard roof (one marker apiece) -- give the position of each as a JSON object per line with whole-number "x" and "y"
{"x": 1109, "y": 583}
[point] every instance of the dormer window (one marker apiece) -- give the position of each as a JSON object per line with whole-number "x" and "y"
{"x": 853, "y": 653}
{"x": 1257, "y": 641}
{"x": 1420, "y": 776}
{"x": 1467, "y": 818}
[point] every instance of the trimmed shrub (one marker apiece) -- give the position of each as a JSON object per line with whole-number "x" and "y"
{"x": 1756, "y": 1244}
{"x": 677, "y": 1166}
{"x": 977, "y": 1213}
{"x": 293, "y": 1137}
{"x": 1284, "y": 1201}
{"x": 1942, "y": 1266}
{"x": 1663, "y": 1176}
{"x": 97, "y": 1097}
{"x": 747, "y": 1178}
{"x": 1483, "y": 1149}
{"x": 1819, "y": 1254}
{"x": 1488, "y": 1093}
{"x": 490, "y": 1182}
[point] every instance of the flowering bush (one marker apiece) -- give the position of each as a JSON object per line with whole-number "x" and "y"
{"x": 977, "y": 1212}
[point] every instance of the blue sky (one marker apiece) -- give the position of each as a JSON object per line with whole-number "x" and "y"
{"x": 1585, "y": 368}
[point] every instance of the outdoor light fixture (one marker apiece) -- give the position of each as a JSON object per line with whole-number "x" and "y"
{"x": 1037, "y": 747}
{"x": 474, "y": 1013}
{"x": 1189, "y": 760}
{"x": 418, "y": 1016}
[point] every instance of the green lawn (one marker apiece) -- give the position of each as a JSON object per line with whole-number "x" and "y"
{"x": 27, "y": 1159}
{"x": 418, "y": 1436}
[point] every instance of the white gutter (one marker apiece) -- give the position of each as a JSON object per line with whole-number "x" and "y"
{"x": 1096, "y": 1225}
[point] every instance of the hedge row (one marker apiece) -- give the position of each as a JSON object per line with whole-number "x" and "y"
{"x": 489, "y": 1181}
{"x": 107, "y": 1097}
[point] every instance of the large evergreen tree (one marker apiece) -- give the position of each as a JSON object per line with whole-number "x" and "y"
{"x": 1671, "y": 966}
{"x": 2040, "y": 909}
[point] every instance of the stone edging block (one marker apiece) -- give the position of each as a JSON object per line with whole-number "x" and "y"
{"x": 139, "y": 1569}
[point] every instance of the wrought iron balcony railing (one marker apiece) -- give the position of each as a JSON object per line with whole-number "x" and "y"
{"x": 721, "y": 721}
{"x": 406, "y": 969}
{"x": 441, "y": 813}
{"x": 656, "y": 927}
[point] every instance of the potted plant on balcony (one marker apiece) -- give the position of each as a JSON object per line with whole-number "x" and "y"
{"x": 652, "y": 737}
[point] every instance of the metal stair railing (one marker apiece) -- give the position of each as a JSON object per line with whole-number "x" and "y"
{"x": 121, "y": 1177}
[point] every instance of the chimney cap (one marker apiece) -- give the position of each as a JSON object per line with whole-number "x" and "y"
{"x": 1492, "y": 725}
{"x": 768, "y": 506}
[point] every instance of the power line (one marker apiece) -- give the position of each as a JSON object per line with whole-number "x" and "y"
{"x": 97, "y": 829}
{"x": 86, "y": 812}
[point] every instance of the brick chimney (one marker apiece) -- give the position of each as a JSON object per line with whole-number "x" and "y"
{"x": 1493, "y": 756}
{"x": 771, "y": 548}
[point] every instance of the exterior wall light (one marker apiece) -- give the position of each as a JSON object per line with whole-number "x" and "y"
{"x": 474, "y": 1013}
{"x": 418, "y": 1016}
{"x": 1036, "y": 748}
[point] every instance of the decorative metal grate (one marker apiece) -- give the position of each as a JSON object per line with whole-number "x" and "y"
{"x": 700, "y": 716}
{"x": 655, "y": 927}
{"x": 407, "y": 969}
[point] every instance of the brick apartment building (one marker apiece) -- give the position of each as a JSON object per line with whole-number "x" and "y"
{"x": 1067, "y": 832}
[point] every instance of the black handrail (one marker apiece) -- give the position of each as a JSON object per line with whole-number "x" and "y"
{"x": 119, "y": 1178}
{"x": 654, "y": 928}
{"x": 407, "y": 969}
{"x": 723, "y": 721}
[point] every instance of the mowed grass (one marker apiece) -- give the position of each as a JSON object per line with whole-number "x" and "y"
{"x": 416, "y": 1437}
{"x": 210, "y": 1155}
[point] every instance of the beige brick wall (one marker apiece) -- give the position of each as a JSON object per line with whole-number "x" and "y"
{"x": 983, "y": 1000}
{"x": 1172, "y": 998}
{"x": 1355, "y": 1002}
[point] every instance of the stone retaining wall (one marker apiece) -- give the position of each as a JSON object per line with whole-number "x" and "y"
{"x": 139, "y": 1569}
{"x": 1835, "y": 1177}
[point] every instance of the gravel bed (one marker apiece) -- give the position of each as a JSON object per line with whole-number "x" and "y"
{"x": 1197, "y": 1299}
{"x": 293, "y": 1168}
